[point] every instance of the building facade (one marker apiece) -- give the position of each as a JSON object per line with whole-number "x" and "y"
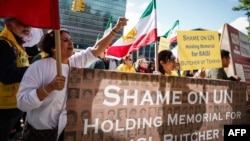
{"x": 85, "y": 26}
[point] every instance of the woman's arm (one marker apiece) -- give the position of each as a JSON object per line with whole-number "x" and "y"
{"x": 104, "y": 42}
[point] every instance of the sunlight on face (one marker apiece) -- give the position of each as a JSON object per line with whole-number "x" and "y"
{"x": 66, "y": 45}
{"x": 19, "y": 28}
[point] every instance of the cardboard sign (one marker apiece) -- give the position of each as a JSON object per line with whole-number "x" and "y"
{"x": 164, "y": 44}
{"x": 238, "y": 45}
{"x": 199, "y": 50}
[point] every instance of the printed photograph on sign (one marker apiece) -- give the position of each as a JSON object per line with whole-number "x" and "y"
{"x": 151, "y": 107}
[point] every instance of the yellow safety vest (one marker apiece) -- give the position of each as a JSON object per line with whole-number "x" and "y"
{"x": 8, "y": 91}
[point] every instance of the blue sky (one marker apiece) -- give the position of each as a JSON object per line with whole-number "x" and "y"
{"x": 207, "y": 14}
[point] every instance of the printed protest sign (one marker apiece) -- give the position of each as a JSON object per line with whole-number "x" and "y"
{"x": 111, "y": 105}
{"x": 199, "y": 50}
{"x": 164, "y": 44}
{"x": 239, "y": 47}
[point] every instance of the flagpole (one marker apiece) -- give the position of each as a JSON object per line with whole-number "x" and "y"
{"x": 58, "y": 53}
{"x": 156, "y": 43}
{"x": 156, "y": 57}
{"x": 149, "y": 52}
{"x": 144, "y": 51}
{"x": 137, "y": 54}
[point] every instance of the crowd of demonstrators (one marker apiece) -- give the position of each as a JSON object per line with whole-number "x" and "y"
{"x": 169, "y": 65}
{"x": 13, "y": 64}
{"x": 42, "y": 93}
{"x": 39, "y": 88}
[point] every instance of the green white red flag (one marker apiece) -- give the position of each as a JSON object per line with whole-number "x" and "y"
{"x": 35, "y": 13}
{"x": 143, "y": 33}
{"x": 108, "y": 27}
{"x": 98, "y": 37}
{"x": 171, "y": 34}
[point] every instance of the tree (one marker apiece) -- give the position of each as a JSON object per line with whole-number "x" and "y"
{"x": 244, "y": 6}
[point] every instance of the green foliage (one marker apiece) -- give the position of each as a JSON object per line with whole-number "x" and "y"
{"x": 244, "y": 6}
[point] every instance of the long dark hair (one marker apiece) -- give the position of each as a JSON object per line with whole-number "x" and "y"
{"x": 163, "y": 56}
{"x": 48, "y": 41}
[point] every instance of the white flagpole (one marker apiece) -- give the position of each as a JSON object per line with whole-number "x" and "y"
{"x": 156, "y": 43}
{"x": 149, "y": 52}
{"x": 137, "y": 54}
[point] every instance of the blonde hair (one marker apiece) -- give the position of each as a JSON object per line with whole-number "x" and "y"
{"x": 126, "y": 57}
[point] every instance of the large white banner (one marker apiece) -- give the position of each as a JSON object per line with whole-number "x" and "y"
{"x": 109, "y": 105}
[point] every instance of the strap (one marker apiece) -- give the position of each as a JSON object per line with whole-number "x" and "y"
{"x": 5, "y": 39}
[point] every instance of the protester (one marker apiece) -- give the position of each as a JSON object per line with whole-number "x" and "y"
{"x": 178, "y": 69}
{"x": 141, "y": 66}
{"x": 113, "y": 63}
{"x": 39, "y": 56}
{"x": 99, "y": 63}
{"x": 219, "y": 73}
{"x": 200, "y": 73}
{"x": 13, "y": 64}
{"x": 42, "y": 93}
{"x": 190, "y": 73}
{"x": 106, "y": 62}
{"x": 167, "y": 63}
{"x": 31, "y": 43}
{"x": 151, "y": 66}
{"x": 32, "y": 52}
{"x": 127, "y": 64}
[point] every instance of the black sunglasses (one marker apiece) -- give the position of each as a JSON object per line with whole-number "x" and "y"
{"x": 172, "y": 59}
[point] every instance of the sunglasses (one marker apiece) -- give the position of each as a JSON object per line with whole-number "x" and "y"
{"x": 172, "y": 59}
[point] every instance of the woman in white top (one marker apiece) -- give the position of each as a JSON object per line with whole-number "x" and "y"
{"x": 42, "y": 94}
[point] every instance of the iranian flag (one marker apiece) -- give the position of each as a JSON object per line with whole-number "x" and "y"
{"x": 108, "y": 27}
{"x": 143, "y": 33}
{"x": 35, "y": 13}
{"x": 98, "y": 37}
{"x": 171, "y": 34}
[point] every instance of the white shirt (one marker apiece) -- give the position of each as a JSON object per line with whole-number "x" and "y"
{"x": 45, "y": 114}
